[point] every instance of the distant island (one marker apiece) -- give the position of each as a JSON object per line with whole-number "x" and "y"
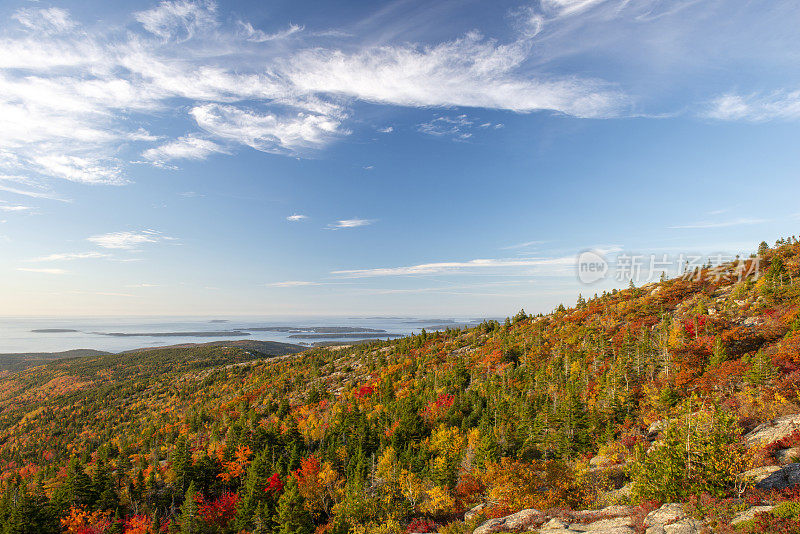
{"x": 53, "y": 330}
{"x": 338, "y": 336}
{"x": 223, "y": 333}
{"x": 315, "y": 329}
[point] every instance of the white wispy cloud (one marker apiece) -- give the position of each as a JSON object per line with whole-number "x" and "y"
{"x": 143, "y": 285}
{"x": 75, "y": 97}
{"x": 179, "y": 20}
{"x": 386, "y": 129}
{"x": 41, "y": 193}
{"x": 50, "y": 21}
{"x": 83, "y": 169}
{"x": 41, "y": 270}
{"x": 259, "y": 36}
{"x": 781, "y": 105}
{"x": 350, "y": 223}
{"x": 525, "y": 244}
{"x": 12, "y": 207}
{"x": 68, "y": 92}
{"x": 568, "y": 7}
{"x": 459, "y": 127}
{"x": 128, "y": 240}
{"x": 187, "y": 147}
{"x": 455, "y": 266}
{"x": 469, "y": 71}
{"x": 293, "y": 283}
{"x": 297, "y": 217}
{"x": 267, "y": 132}
{"x": 721, "y": 224}
{"x": 68, "y": 256}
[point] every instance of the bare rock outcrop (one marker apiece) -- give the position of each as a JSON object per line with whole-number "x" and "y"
{"x": 518, "y": 522}
{"x": 772, "y": 431}
{"x": 781, "y": 478}
{"x": 669, "y": 519}
{"x": 750, "y": 513}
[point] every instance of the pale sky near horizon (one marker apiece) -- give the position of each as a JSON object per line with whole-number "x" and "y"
{"x": 446, "y": 158}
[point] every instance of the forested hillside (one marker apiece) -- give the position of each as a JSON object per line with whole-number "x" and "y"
{"x": 635, "y": 396}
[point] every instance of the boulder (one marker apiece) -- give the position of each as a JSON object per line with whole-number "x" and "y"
{"x": 618, "y": 525}
{"x": 760, "y": 473}
{"x": 511, "y": 523}
{"x": 585, "y": 516}
{"x": 656, "y": 428}
{"x": 782, "y": 478}
{"x": 556, "y": 525}
{"x": 622, "y": 494}
{"x": 669, "y": 513}
{"x": 787, "y": 456}
{"x": 474, "y": 511}
{"x": 684, "y": 526}
{"x": 750, "y": 513}
{"x": 772, "y": 431}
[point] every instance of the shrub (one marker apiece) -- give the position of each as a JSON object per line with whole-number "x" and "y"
{"x": 515, "y": 485}
{"x": 699, "y": 454}
{"x": 787, "y": 510}
{"x": 421, "y": 525}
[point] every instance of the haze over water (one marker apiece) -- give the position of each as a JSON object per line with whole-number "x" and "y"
{"x": 114, "y": 334}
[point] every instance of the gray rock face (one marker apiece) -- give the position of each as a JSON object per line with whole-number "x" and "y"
{"x": 750, "y": 513}
{"x": 782, "y": 478}
{"x": 787, "y": 456}
{"x": 772, "y": 431}
{"x": 618, "y": 525}
{"x": 656, "y": 428}
{"x": 669, "y": 519}
{"x": 554, "y": 524}
{"x": 586, "y": 516}
{"x": 684, "y": 526}
{"x": 760, "y": 473}
{"x": 511, "y": 523}
{"x": 669, "y": 513}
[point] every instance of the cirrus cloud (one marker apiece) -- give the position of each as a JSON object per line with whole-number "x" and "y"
{"x": 350, "y": 223}
{"x": 128, "y": 240}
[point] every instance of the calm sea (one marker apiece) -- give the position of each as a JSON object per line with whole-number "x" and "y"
{"x": 19, "y": 334}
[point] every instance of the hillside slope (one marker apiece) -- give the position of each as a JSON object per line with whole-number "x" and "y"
{"x": 549, "y": 412}
{"x": 13, "y": 362}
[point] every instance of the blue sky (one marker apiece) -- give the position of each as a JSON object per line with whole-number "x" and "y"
{"x": 359, "y": 158}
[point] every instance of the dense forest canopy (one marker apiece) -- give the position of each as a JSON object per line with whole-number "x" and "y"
{"x": 406, "y": 435}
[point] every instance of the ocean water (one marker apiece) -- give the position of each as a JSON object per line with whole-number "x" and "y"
{"x": 115, "y": 334}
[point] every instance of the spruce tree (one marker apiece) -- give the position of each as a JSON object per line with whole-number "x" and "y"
{"x": 182, "y": 463}
{"x": 189, "y": 512}
{"x": 292, "y": 515}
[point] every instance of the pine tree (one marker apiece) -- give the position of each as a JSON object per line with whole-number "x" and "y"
{"x": 762, "y": 369}
{"x": 292, "y": 515}
{"x": 77, "y": 490}
{"x": 30, "y": 514}
{"x": 189, "y": 512}
{"x": 255, "y": 500}
{"x": 182, "y": 463}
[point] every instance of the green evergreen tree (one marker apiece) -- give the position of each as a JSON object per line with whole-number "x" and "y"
{"x": 293, "y": 518}
{"x": 189, "y": 512}
{"x": 77, "y": 490}
{"x": 182, "y": 464}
